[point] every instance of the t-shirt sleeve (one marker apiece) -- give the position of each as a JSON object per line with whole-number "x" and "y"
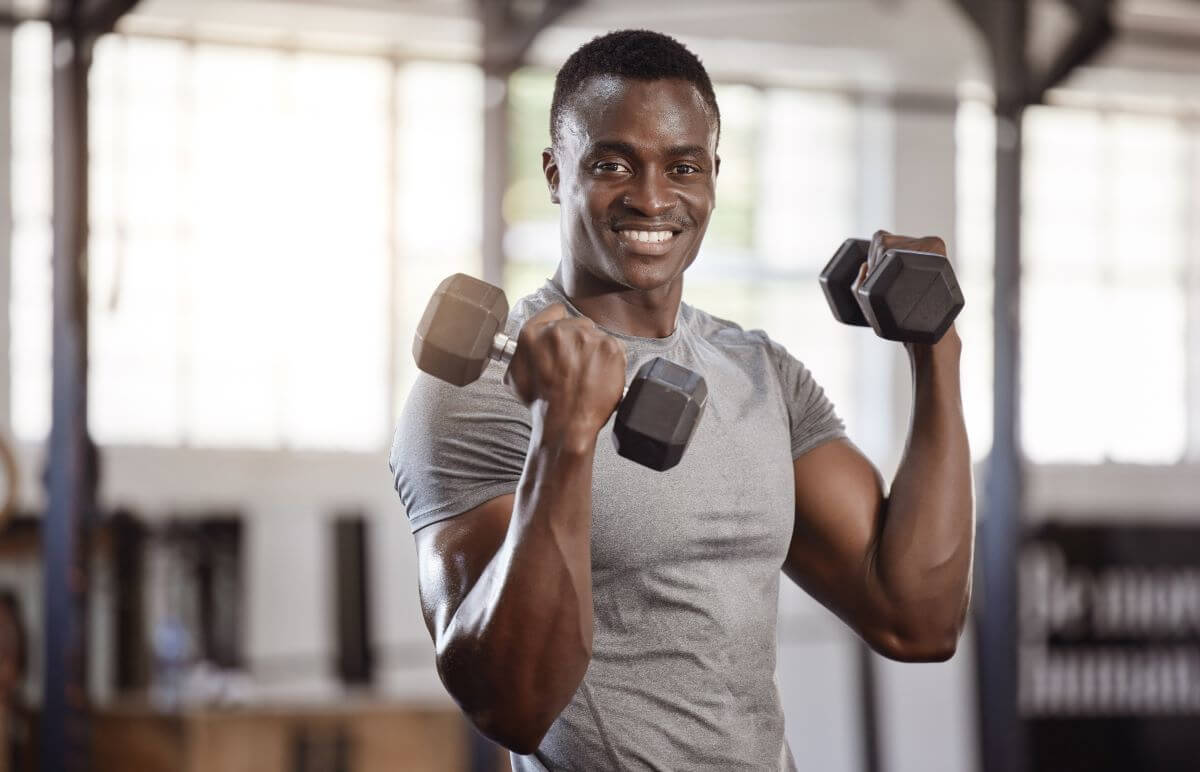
{"x": 456, "y": 448}
{"x": 812, "y": 416}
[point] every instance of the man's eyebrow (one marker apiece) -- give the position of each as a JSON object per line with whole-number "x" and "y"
{"x": 624, "y": 148}
{"x": 696, "y": 150}
{"x": 612, "y": 146}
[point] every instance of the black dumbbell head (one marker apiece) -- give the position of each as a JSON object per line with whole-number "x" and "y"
{"x": 911, "y": 296}
{"x": 837, "y": 281}
{"x": 656, "y": 419}
{"x": 454, "y": 339}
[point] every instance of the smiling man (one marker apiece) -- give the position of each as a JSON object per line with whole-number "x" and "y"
{"x": 589, "y": 613}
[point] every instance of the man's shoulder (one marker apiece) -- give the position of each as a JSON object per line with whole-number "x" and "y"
{"x": 529, "y": 305}
{"x": 720, "y": 331}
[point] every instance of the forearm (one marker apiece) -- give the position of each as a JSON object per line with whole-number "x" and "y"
{"x": 923, "y": 555}
{"x": 520, "y": 642}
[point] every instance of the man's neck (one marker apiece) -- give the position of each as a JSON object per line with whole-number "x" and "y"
{"x": 640, "y": 313}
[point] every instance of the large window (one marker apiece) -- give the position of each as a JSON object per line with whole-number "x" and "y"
{"x": 267, "y": 226}
{"x": 248, "y": 205}
{"x": 1108, "y": 242}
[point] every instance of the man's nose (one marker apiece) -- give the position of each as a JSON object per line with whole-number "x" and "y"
{"x": 650, "y": 194}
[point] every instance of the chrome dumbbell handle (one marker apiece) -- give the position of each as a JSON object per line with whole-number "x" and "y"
{"x": 503, "y": 348}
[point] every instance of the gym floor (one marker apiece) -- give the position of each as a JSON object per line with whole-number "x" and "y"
{"x": 273, "y": 191}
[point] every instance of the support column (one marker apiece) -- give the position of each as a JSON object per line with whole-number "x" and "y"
{"x": 1003, "y": 732}
{"x": 1004, "y": 745}
{"x": 1017, "y": 84}
{"x": 70, "y": 472}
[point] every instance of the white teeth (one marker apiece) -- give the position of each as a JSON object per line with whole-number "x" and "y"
{"x": 651, "y": 237}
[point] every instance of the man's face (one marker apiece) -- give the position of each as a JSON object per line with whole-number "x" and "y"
{"x": 634, "y": 175}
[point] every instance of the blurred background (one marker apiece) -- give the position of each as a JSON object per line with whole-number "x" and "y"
{"x": 273, "y": 190}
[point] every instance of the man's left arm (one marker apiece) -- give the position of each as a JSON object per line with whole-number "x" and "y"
{"x": 896, "y": 568}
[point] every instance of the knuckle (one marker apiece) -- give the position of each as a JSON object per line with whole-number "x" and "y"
{"x": 559, "y": 337}
{"x": 611, "y": 346}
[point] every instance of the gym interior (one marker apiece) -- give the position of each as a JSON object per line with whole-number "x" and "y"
{"x": 223, "y": 221}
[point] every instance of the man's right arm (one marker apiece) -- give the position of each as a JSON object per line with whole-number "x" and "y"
{"x": 506, "y": 588}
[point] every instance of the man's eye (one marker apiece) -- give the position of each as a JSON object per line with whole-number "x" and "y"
{"x": 686, "y": 169}
{"x": 608, "y": 166}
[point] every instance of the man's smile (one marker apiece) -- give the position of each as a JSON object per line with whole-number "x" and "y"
{"x": 651, "y": 241}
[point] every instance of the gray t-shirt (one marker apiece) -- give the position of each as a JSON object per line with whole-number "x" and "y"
{"x": 685, "y": 563}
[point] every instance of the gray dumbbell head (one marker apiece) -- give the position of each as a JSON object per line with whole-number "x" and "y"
{"x": 454, "y": 339}
{"x": 837, "y": 281}
{"x": 656, "y": 419}
{"x": 911, "y": 296}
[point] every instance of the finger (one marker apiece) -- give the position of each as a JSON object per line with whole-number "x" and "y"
{"x": 883, "y": 241}
{"x": 932, "y": 244}
{"x": 880, "y": 242}
{"x": 862, "y": 276}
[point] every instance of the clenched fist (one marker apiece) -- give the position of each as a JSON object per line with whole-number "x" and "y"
{"x": 568, "y": 372}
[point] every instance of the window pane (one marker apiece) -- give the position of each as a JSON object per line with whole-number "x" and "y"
{"x": 1103, "y": 331}
{"x": 439, "y": 208}
{"x": 731, "y": 227}
{"x": 29, "y": 309}
{"x": 29, "y": 302}
{"x": 239, "y": 246}
{"x": 808, "y": 184}
{"x": 975, "y": 132}
{"x": 134, "y": 338}
{"x": 531, "y": 242}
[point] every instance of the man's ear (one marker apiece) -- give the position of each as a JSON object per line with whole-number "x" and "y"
{"x": 550, "y": 169}
{"x": 717, "y": 169}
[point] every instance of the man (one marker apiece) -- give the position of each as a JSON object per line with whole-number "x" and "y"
{"x": 589, "y": 613}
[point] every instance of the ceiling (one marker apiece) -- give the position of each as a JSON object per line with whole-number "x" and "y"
{"x": 913, "y": 46}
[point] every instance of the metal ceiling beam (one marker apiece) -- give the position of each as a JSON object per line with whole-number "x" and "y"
{"x": 1094, "y": 31}
{"x": 507, "y": 35}
{"x": 95, "y": 17}
{"x": 99, "y": 17}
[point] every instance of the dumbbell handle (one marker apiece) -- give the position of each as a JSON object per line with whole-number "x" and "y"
{"x": 503, "y": 348}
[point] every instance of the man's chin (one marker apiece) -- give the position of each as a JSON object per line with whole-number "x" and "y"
{"x": 646, "y": 274}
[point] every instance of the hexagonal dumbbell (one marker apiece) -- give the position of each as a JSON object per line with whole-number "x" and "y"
{"x": 908, "y": 296}
{"x": 462, "y": 330}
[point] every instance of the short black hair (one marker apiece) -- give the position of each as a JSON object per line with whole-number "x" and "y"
{"x": 632, "y": 53}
